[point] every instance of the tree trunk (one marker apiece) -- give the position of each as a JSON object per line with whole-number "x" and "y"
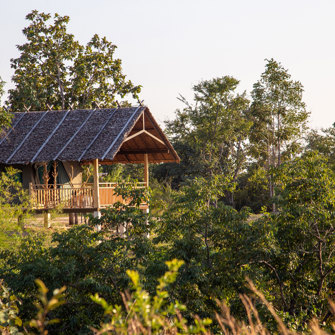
{"x": 278, "y": 140}
{"x": 61, "y": 89}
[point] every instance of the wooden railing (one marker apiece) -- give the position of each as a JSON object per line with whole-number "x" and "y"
{"x": 75, "y": 196}
{"x": 107, "y": 194}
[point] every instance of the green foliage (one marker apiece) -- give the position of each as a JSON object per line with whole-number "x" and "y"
{"x": 214, "y": 128}
{"x": 2, "y": 84}
{"x": 13, "y": 198}
{"x": 83, "y": 260}
{"x": 206, "y": 235}
{"x": 219, "y": 247}
{"x": 146, "y": 314}
{"x": 126, "y": 215}
{"x": 77, "y": 259}
{"x": 323, "y": 143}
{"x": 54, "y": 69}
{"x": 279, "y": 115}
{"x": 279, "y": 119}
{"x": 9, "y": 320}
{"x": 161, "y": 197}
{"x": 157, "y": 314}
{"x": 5, "y": 117}
{"x": 295, "y": 246}
{"x": 45, "y": 306}
{"x": 252, "y": 189}
{"x": 14, "y": 205}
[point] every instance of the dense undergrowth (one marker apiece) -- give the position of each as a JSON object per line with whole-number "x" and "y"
{"x": 141, "y": 313}
{"x": 287, "y": 254}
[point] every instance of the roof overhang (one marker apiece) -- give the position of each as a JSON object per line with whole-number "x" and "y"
{"x": 145, "y": 137}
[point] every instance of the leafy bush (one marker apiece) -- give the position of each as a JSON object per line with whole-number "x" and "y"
{"x": 14, "y": 208}
{"x": 145, "y": 314}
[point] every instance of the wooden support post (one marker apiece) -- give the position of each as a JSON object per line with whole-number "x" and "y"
{"x": 96, "y": 197}
{"x": 47, "y": 218}
{"x": 146, "y": 170}
{"x": 46, "y": 184}
{"x": 73, "y": 219}
{"x": 146, "y": 176}
{"x": 20, "y": 221}
{"x": 31, "y": 195}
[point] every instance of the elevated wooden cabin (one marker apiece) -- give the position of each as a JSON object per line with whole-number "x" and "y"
{"x": 54, "y": 145}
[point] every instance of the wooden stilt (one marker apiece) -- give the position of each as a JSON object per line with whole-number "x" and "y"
{"x": 146, "y": 178}
{"x": 47, "y": 218}
{"x": 96, "y": 200}
{"x": 71, "y": 219}
{"x": 46, "y": 184}
{"x": 96, "y": 196}
{"x": 20, "y": 221}
{"x": 146, "y": 170}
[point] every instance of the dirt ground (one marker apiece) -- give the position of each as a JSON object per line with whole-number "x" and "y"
{"x": 57, "y": 222}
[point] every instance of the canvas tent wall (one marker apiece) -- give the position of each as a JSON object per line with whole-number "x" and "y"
{"x": 67, "y": 173}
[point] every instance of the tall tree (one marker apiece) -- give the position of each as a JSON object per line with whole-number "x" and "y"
{"x": 279, "y": 117}
{"x": 324, "y": 143}
{"x": 5, "y": 117}
{"x": 214, "y": 126}
{"x": 299, "y": 252}
{"x": 55, "y": 69}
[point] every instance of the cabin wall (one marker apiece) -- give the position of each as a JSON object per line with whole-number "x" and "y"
{"x": 28, "y": 175}
{"x": 74, "y": 171}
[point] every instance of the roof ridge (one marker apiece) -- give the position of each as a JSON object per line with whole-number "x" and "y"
{"x": 81, "y": 109}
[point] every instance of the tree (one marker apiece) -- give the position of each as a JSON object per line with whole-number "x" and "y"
{"x": 5, "y": 117}
{"x": 279, "y": 118}
{"x": 295, "y": 247}
{"x": 2, "y": 84}
{"x": 207, "y": 235}
{"x": 324, "y": 143}
{"x": 214, "y": 128}
{"x": 56, "y": 70}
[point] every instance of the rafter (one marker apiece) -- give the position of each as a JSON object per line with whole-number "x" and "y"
{"x": 144, "y": 132}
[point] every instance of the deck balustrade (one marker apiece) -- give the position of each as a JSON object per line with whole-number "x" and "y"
{"x": 75, "y": 196}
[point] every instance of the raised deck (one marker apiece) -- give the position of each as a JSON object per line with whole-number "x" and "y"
{"x": 76, "y": 198}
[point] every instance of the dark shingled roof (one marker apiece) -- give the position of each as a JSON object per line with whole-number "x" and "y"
{"x": 84, "y": 135}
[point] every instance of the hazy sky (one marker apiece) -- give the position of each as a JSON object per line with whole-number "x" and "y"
{"x": 168, "y": 46}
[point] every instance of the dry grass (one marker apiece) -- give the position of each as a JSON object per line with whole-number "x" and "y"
{"x": 133, "y": 323}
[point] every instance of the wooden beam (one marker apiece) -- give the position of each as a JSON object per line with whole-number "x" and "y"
{"x": 143, "y": 151}
{"x": 159, "y": 131}
{"x": 134, "y": 135}
{"x": 96, "y": 198}
{"x": 146, "y": 170}
{"x": 144, "y": 132}
{"x": 137, "y": 161}
{"x": 155, "y": 138}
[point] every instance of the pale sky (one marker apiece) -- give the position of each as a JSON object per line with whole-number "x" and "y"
{"x": 169, "y": 46}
